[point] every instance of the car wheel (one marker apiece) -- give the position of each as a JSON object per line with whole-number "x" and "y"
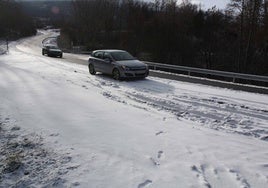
{"x": 91, "y": 69}
{"x": 61, "y": 56}
{"x": 116, "y": 74}
{"x": 43, "y": 53}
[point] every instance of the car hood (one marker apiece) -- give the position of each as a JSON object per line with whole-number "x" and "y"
{"x": 131, "y": 63}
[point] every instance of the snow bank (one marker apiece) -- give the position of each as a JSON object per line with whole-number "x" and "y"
{"x": 143, "y": 133}
{"x": 26, "y": 162}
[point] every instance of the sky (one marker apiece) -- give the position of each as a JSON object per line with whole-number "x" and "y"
{"x": 205, "y": 4}
{"x": 221, "y": 4}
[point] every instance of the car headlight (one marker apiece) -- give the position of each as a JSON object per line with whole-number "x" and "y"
{"x": 125, "y": 68}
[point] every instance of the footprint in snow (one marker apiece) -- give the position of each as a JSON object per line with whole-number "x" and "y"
{"x": 145, "y": 183}
{"x": 115, "y": 86}
{"x": 84, "y": 86}
{"x": 265, "y": 165}
{"x": 158, "y": 133}
{"x": 200, "y": 174}
{"x": 54, "y": 134}
{"x": 75, "y": 184}
{"x": 154, "y": 161}
{"x": 265, "y": 138}
{"x": 160, "y": 153}
{"x": 159, "y": 156}
{"x": 240, "y": 179}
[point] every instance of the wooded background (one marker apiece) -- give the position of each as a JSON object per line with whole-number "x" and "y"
{"x": 14, "y": 22}
{"x": 163, "y": 31}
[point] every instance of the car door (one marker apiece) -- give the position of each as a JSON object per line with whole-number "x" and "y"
{"x": 107, "y": 63}
{"x": 97, "y": 60}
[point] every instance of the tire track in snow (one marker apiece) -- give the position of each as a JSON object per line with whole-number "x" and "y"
{"x": 219, "y": 177}
{"x": 242, "y": 182}
{"x": 212, "y": 112}
{"x": 215, "y": 112}
{"x": 200, "y": 174}
{"x": 231, "y": 117}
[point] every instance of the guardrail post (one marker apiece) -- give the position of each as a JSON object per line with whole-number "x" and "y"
{"x": 154, "y": 67}
{"x": 233, "y": 79}
{"x": 189, "y": 73}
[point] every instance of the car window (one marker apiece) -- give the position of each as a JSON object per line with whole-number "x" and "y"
{"x": 106, "y": 55}
{"x": 51, "y": 47}
{"x": 98, "y": 55}
{"x": 121, "y": 56}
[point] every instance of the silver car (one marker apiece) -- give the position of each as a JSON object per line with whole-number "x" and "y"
{"x": 118, "y": 63}
{"x": 51, "y": 50}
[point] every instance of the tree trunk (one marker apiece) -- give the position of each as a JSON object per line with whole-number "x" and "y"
{"x": 253, "y": 20}
{"x": 241, "y": 37}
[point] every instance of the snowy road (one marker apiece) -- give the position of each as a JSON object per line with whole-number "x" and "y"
{"x": 143, "y": 133}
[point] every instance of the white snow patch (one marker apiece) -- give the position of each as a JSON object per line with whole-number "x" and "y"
{"x": 142, "y": 133}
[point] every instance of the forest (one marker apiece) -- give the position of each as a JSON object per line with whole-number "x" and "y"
{"x": 14, "y": 22}
{"x": 166, "y": 31}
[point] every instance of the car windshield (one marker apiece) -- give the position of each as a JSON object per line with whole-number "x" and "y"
{"x": 52, "y": 47}
{"x": 121, "y": 56}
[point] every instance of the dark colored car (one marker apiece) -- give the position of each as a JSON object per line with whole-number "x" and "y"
{"x": 118, "y": 63}
{"x": 50, "y": 50}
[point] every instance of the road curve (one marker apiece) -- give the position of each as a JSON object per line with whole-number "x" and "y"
{"x": 35, "y": 44}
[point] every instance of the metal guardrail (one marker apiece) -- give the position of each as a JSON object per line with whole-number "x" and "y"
{"x": 190, "y": 70}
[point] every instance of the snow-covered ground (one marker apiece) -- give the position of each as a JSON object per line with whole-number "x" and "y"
{"x": 141, "y": 133}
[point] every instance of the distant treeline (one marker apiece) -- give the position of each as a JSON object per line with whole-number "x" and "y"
{"x": 47, "y": 12}
{"x": 165, "y": 31}
{"x": 14, "y": 23}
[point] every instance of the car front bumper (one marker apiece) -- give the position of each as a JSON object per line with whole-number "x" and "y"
{"x": 51, "y": 53}
{"x": 135, "y": 74}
